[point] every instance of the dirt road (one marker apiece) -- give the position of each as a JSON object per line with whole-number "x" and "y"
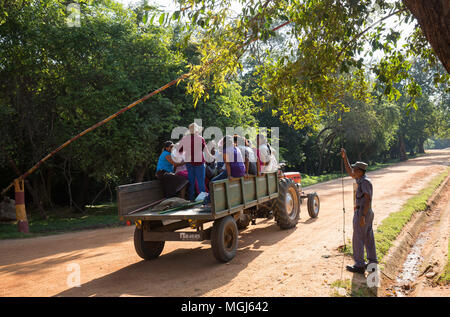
{"x": 270, "y": 262}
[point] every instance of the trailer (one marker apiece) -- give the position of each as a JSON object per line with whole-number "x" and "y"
{"x": 234, "y": 205}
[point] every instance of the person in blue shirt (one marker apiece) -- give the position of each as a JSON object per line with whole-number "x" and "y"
{"x": 165, "y": 161}
{"x": 172, "y": 183}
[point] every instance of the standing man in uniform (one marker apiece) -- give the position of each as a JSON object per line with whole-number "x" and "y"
{"x": 363, "y": 217}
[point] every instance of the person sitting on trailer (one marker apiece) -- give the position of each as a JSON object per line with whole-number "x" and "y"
{"x": 211, "y": 164}
{"x": 243, "y": 145}
{"x": 266, "y": 161}
{"x": 234, "y": 163}
{"x": 218, "y": 157}
{"x": 172, "y": 183}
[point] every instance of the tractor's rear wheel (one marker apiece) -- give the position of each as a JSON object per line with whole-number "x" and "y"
{"x": 148, "y": 250}
{"x": 224, "y": 239}
{"x": 287, "y": 207}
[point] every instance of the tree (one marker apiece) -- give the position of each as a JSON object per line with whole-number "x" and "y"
{"x": 433, "y": 17}
{"x": 326, "y": 43}
{"x": 417, "y": 125}
{"x": 56, "y": 80}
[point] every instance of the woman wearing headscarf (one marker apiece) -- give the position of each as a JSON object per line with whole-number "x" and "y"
{"x": 172, "y": 183}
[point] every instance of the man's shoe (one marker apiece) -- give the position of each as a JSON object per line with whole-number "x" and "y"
{"x": 355, "y": 269}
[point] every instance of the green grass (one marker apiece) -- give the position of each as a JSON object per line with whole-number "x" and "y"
{"x": 63, "y": 220}
{"x": 390, "y": 227}
{"x": 311, "y": 180}
{"x": 351, "y": 289}
{"x": 341, "y": 284}
{"x": 444, "y": 279}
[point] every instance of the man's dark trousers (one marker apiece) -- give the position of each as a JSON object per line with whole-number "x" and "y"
{"x": 363, "y": 236}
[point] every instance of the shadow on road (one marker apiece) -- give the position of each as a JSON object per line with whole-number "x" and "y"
{"x": 309, "y": 221}
{"x": 28, "y": 268}
{"x": 182, "y": 272}
{"x": 24, "y": 249}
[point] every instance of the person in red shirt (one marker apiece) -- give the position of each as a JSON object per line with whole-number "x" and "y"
{"x": 194, "y": 146}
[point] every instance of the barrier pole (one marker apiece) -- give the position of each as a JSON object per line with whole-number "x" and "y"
{"x": 21, "y": 214}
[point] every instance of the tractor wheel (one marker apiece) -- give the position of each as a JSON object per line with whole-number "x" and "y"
{"x": 313, "y": 205}
{"x": 148, "y": 250}
{"x": 224, "y": 239}
{"x": 287, "y": 207}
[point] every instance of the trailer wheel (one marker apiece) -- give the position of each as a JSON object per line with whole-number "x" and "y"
{"x": 313, "y": 205}
{"x": 224, "y": 239}
{"x": 287, "y": 207}
{"x": 148, "y": 250}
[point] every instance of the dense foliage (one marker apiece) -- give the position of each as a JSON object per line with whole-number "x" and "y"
{"x": 57, "y": 79}
{"x": 322, "y": 58}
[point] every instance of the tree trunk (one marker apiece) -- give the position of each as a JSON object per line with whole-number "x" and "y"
{"x": 81, "y": 198}
{"x": 140, "y": 173}
{"x": 359, "y": 156}
{"x": 330, "y": 145}
{"x": 403, "y": 156}
{"x": 421, "y": 148}
{"x": 30, "y": 188}
{"x": 328, "y": 140}
{"x": 34, "y": 190}
{"x": 433, "y": 17}
{"x": 48, "y": 186}
{"x": 44, "y": 192}
{"x": 36, "y": 200}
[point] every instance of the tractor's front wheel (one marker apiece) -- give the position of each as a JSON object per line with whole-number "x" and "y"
{"x": 313, "y": 205}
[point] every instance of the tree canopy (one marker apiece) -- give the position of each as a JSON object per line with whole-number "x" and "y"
{"x": 56, "y": 80}
{"x": 323, "y": 57}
